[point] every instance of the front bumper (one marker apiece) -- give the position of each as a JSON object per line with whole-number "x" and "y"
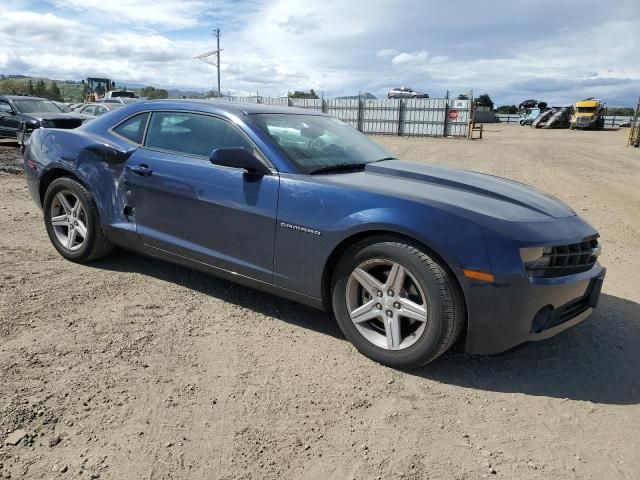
{"x": 504, "y": 315}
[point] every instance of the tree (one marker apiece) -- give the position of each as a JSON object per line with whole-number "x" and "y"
{"x": 484, "y": 100}
{"x": 30, "y": 89}
{"x": 146, "y": 91}
{"x": 158, "y": 93}
{"x": 510, "y": 109}
{"x": 41, "y": 89}
{"x": 8, "y": 87}
{"x": 301, "y": 94}
{"x": 54, "y": 93}
{"x": 622, "y": 111}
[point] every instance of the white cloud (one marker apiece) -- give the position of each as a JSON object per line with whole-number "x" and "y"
{"x": 388, "y": 53}
{"x": 168, "y": 13}
{"x": 416, "y": 58}
{"x": 334, "y": 46}
{"x": 439, "y": 59}
{"x": 300, "y": 24}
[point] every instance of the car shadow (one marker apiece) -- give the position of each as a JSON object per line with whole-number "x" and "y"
{"x": 597, "y": 361}
{"x": 260, "y": 302}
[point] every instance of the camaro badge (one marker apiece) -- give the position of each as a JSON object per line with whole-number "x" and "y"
{"x": 300, "y": 229}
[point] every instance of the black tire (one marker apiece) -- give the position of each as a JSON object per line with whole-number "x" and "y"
{"x": 96, "y": 244}
{"x": 444, "y": 301}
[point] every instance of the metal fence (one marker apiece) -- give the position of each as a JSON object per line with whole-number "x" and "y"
{"x": 433, "y": 117}
{"x": 609, "y": 120}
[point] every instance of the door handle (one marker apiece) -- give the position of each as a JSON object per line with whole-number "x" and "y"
{"x": 142, "y": 170}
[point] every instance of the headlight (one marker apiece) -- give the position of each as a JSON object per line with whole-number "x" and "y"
{"x": 535, "y": 256}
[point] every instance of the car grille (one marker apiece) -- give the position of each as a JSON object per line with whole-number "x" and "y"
{"x": 583, "y": 121}
{"x": 62, "y": 123}
{"x": 569, "y": 259}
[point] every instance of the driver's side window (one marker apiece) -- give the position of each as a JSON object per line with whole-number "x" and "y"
{"x": 5, "y": 107}
{"x": 193, "y": 133}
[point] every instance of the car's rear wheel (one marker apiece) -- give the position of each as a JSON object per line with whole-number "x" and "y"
{"x": 397, "y": 304}
{"x": 73, "y": 222}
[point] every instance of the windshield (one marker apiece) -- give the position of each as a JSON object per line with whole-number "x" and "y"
{"x": 36, "y": 106}
{"x": 586, "y": 109}
{"x": 315, "y": 142}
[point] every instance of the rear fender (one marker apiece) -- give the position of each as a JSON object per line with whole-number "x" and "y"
{"x": 97, "y": 164}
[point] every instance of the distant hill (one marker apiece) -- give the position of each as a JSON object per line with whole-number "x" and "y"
{"x": 363, "y": 95}
{"x": 72, "y": 89}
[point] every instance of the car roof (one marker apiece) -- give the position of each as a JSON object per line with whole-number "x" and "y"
{"x": 22, "y": 97}
{"x": 232, "y": 106}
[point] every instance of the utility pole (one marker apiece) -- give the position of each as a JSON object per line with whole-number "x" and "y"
{"x": 206, "y": 57}
{"x": 217, "y": 34}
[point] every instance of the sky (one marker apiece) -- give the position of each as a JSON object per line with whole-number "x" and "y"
{"x": 553, "y": 50}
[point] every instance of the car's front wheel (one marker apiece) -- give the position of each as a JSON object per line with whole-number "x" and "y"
{"x": 397, "y": 304}
{"x": 73, "y": 222}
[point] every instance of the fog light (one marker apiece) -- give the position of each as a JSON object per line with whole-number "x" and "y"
{"x": 542, "y": 319}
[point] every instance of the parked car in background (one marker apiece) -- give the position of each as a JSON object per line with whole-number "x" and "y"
{"x": 405, "y": 92}
{"x": 62, "y": 106}
{"x": 97, "y": 109}
{"x": 20, "y": 115}
{"x": 119, "y": 100}
{"x": 406, "y": 255}
{"x": 120, "y": 94}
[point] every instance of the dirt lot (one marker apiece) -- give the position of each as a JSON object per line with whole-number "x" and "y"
{"x": 131, "y": 368}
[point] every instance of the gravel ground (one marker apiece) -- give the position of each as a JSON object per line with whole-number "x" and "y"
{"x": 10, "y": 159}
{"x": 131, "y": 368}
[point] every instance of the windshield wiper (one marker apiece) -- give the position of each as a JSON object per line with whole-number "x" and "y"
{"x": 385, "y": 158}
{"x": 340, "y": 167}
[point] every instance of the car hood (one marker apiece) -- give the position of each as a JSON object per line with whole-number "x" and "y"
{"x": 460, "y": 190}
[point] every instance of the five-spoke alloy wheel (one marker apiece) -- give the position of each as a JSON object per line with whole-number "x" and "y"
{"x": 68, "y": 219}
{"x": 398, "y": 304}
{"x": 73, "y": 221}
{"x": 386, "y": 304}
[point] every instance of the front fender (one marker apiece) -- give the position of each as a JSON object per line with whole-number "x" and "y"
{"x": 457, "y": 241}
{"x": 339, "y": 214}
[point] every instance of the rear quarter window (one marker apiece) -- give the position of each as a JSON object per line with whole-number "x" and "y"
{"x": 133, "y": 128}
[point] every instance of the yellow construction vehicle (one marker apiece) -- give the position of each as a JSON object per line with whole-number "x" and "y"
{"x": 634, "y": 131}
{"x": 588, "y": 113}
{"x": 96, "y": 88}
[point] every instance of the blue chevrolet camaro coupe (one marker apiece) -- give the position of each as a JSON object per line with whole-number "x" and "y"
{"x": 406, "y": 255}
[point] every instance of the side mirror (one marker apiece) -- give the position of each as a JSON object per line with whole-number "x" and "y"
{"x": 239, "y": 158}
